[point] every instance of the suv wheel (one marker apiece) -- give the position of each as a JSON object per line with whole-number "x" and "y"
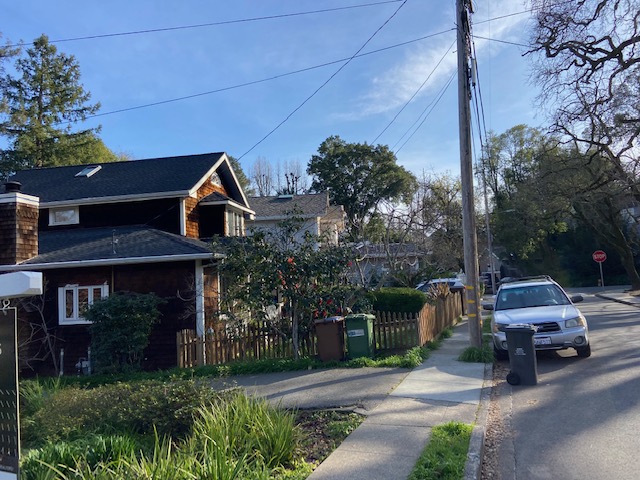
{"x": 500, "y": 354}
{"x": 584, "y": 352}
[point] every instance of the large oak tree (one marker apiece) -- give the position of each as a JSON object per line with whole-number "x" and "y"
{"x": 360, "y": 177}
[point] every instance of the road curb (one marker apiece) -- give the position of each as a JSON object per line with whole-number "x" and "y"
{"x": 605, "y": 297}
{"x": 473, "y": 466}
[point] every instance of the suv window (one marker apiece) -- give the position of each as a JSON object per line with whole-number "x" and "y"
{"x": 531, "y": 296}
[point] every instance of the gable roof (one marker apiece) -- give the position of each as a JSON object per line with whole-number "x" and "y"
{"x": 108, "y": 246}
{"x": 129, "y": 180}
{"x": 281, "y": 206}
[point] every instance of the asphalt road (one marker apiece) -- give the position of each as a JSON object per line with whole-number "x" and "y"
{"x": 363, "y": 388}
{"x": 582, "y": 419}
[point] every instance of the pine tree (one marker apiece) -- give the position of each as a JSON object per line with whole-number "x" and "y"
{"x": 43, "y": 101}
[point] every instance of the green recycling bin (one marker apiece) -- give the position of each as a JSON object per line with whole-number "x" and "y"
{"x": 359, "y": 329}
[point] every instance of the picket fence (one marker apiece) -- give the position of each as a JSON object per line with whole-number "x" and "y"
{"x": 392, "y": 332}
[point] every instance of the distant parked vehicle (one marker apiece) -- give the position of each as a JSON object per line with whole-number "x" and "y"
{"x": 455, "y": 285}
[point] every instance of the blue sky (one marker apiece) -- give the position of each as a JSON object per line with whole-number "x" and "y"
{"x": 357, "y": 104}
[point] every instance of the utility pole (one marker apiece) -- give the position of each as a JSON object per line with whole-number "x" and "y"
{"x": 463, "y": 10}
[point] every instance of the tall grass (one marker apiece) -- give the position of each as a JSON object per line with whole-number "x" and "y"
{"x": 35, "y": 393}
{"x": 67, "y": 457}
{"x": 249, "y": 428}
{"x": 237, "y": 437}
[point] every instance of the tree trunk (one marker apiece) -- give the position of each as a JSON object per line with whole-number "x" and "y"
{"x": 628, "y": 262}
{"x": 294, "y": 331}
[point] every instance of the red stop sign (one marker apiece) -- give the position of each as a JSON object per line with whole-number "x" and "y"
{"x": 599, "y": 256}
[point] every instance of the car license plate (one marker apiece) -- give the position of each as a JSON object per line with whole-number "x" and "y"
{"x": 542, "y": 340}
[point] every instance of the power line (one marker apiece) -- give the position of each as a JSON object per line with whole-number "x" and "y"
{"x": 416, "y": 92}
{"x": 430, "y": 107}
{"x": 504, "y": 41}
{"x": 274, "y": 77}
{"x": 325, "y": 82}
{"x": 213, "y": 24}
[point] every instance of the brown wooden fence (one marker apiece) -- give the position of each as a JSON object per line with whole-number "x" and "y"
{"x": 392, "y": 331}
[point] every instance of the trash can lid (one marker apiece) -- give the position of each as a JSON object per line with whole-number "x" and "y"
{"x": 521, "y": 326}
{"x": 360, "y": 316}
{"x": 329, "y": 320}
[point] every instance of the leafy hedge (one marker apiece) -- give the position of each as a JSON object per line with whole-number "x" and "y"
{"x": 141, "y": 408}
{"x": 399, "y": 300}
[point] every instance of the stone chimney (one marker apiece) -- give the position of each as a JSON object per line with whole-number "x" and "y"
{"x": 18, "y": 225}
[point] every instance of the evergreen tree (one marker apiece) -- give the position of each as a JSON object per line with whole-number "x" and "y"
{"x": 7, "y": 51}
{"x": 43, "y": 100}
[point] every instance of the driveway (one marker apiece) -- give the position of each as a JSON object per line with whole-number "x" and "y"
{"x": 364, "y": 388}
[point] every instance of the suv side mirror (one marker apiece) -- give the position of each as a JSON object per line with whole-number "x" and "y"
{"x": 487, "y": 306}
{"x": 576, "y": 298}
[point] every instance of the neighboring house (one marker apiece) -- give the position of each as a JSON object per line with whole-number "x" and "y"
{"x": 138, "y": 226}
{"x": 314, "y": 209}
{"x": 376, "y": 261}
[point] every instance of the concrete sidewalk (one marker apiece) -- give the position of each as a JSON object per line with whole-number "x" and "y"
{"x": 388, "y": 443}
{"x": 620, "y": 295}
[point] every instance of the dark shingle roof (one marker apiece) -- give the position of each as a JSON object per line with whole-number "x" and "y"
{"x": 137, "y": 177}
{"x": 215, "y": 197}
{"x": 99, "y": 244}
{"x": 310, "y": 204}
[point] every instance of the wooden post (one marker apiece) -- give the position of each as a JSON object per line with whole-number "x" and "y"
{"x": 466, "y": 176}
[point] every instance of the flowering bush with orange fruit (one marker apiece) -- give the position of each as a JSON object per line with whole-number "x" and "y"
{"x": 306, "y": 276}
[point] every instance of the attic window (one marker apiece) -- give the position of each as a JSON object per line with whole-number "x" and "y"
{"x": 64, "y": 216}
{"x": 88, "y": 171}
{"x": 215, "y": 179}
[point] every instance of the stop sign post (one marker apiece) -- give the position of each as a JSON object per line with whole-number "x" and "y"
{"x": 599, "y": 256}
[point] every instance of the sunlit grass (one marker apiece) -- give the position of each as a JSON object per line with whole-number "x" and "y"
{"x": 445, "y": 455}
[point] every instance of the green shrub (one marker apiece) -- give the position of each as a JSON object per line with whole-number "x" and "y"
{"x": 137, "y": 408}
{"x": 235, "y": 437}
{"x": 120, "y": 329}
{"x": 483, "y": 354}
{"x": 399, "y": 300}
{"x": 34, "y": 393}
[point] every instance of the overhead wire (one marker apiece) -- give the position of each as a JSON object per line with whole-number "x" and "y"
{"x": 416, "y": 92}
{"x": 345, "y": 60}
{"x": 274, "y": 77}
{"x": 267, "y": 79}
{"x": 213, "y": 24}
{"x": 504, "y": 41}
{"x": 431, "y": 106}
{"x": 325, "y": 82}
{"x": 482, "y": 129}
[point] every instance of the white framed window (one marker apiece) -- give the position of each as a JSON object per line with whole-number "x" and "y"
{"x": 215, "y": 179}
{"x": 73, "y": 300}
{"x": 64, "y": 216}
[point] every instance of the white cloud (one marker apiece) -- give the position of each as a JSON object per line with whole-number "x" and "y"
{"x": 437, "y": 60}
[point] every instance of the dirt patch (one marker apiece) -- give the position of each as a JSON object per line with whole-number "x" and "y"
{"x": 496, "y": 431}
{"x": 324, "y": 430}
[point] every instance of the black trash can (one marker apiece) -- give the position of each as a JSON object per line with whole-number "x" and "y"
{"x": 522, "y": 355}
{"x": 330, "y": 336}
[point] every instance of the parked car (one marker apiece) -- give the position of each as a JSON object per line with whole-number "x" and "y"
{"x": 543, "y": 303}
{"x": 455, "y": 285}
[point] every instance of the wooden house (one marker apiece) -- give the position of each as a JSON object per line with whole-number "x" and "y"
{"x": 133, "y": 226}
{"x": 318, "y": 217}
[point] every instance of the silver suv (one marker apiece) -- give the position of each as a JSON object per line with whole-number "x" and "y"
{"x": 541, "y": 302}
